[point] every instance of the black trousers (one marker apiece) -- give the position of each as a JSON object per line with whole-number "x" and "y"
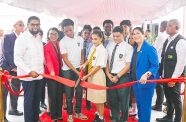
{"x": 173, "y": 97}
{"x": 69, "y": 74}
{"x": 55, "y": 94}
{"x": 160, "y": 95}
{"x": 32, "y": 96}
{"x": 15, "y": 85}
{"x": 119, "y": 100}
{"x": 43, "y": 90}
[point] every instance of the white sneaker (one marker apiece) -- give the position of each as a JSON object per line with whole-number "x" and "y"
{"x": 70, "y": 118}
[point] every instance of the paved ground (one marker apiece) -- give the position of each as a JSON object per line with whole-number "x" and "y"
{"x": 155, "y": 114}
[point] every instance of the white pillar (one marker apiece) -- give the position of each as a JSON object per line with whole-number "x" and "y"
{"x": 184, "y": 22}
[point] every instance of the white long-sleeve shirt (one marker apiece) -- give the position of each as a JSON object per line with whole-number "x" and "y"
{"x": 158, "y": 44}
{"x": 181, "y": 57}
{"x": 29, "y": 55}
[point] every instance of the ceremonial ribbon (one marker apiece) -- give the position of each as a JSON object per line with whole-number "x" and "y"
{"x": 6, "y": 77}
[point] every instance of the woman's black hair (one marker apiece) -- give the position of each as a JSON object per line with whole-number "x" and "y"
{"x": 98, "y": 33}
{"x": 54, "y": 29}
{"x": 139, "y": 29}
{"x": 96, "y": 28}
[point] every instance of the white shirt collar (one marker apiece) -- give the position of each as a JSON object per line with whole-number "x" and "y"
{"x": 173, "y": 37}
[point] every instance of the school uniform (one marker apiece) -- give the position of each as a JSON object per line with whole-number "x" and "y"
{"x": 72, "y": 47}
{"x": 99, "y": 58}
{"x": 118, "y": 56}
{"x": 107, "y": 39}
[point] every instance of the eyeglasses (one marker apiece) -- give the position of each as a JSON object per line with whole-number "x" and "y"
{"x": 35, "y": 25}
{"x": 21, "y": 25}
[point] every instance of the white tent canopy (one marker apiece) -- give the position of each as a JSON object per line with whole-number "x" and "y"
{"x": 96, "y": 11}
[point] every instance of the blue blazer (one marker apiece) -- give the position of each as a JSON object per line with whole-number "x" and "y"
{"x": 147, "y": 60}
{"x": 7, "y": 59}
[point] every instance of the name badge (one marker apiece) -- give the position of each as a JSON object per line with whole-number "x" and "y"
{"x": 170, "y": 57}
{"x": 120, "y": 56}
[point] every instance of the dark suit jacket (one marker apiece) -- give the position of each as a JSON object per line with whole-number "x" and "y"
{"x": 7, "y": 59}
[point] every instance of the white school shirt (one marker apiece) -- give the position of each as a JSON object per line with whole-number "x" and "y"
{"x": 158, "y": 44}
{"x": 72, "y": 47}
{"x": 29, "y": 55}
{"x": 181, "y": 57}
{"x": 122, "y": 55}
{"x": 99, "y": 57}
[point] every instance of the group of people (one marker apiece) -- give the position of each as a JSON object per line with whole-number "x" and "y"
{"x": 115, "y": 56}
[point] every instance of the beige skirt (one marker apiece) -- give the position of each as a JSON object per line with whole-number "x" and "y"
{"x": 97, "y": 96}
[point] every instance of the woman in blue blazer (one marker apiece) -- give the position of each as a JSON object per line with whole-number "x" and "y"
{"x": 144, "y": 66}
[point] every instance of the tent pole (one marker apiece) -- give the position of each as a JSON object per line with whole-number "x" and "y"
{"x": 1, "y": 103}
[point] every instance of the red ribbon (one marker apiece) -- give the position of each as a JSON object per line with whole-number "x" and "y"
{"x": 6, "y": 76}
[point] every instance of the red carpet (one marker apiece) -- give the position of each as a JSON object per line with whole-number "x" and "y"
{"x": 90, "y": 113}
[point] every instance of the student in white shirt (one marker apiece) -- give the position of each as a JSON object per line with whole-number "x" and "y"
{"x": 73, "y": 56}
{"x": 119, "y": 58}
{"x": 127, "y": 27}
{"x": 29, "y": 59}
{"x": 97, "y": 60}
{"x": 107, "y": 26}
{"x": 161, "y": 38}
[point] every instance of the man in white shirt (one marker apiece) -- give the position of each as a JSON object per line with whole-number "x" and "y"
{"x": 29, "y": 59}
{"x": 119, "y": 58}
{"x": 161, "y": 38}
{"x": 172, "y": 66}
{"x": 73, "y": 56}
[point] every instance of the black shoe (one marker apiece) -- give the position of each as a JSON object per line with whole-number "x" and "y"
{"x": 43, "y": 105}
{"x": 16, "y": 113}
{"x": 164, "y": 119}
{"x": 98, "y": 120}
{"x": 96, "y": 116}
{"x": 5, "y": 119}
{"x": 165, "y": 103}
{"x": 156, "y": 108}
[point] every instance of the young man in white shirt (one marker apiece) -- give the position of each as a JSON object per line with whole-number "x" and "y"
{"x": 161, "y": 38}
{"x": 119, "y": 58}
{"x": 73, "y": 56}
{"x": 127, "y": 26}
{"x": 107, "y": 26}
{"x": 29, "y": 59}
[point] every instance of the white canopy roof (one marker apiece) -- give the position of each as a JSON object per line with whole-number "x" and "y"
{"x": 96, "y": 11}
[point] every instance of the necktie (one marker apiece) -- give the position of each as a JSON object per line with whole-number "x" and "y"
{"x": 112, "y": 58}
{"x": 90, "y": 60}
